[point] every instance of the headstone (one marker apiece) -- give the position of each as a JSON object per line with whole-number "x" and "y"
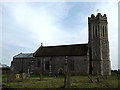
{"x": 67, "y": 79}
{"x": 11, "y": 77}
{"x": 17, "y": 76}
{"x": 98, "y": 78}
{"x": 101, "y": 76}
{"x": 106, "y": 76}
{"x": 41, "y": 78}
{"x": 23, "y": 76}
{"x": 90, "y": 79}
{"x": 28, "y": 75}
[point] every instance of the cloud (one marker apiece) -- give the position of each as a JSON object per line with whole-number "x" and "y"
{"x": 42, "y": 23}
{"x": 26, "y": 25}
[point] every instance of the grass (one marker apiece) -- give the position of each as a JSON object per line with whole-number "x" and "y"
{"x": 58, "y": 82}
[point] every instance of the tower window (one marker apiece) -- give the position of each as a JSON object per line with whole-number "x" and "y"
{"x": 96, "y": 31}
{"x": 103, "y": 31}
{"x": 93, "y": 31}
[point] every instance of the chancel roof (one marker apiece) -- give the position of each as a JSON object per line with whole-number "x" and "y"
{"x": 62, "y": 50}
{"x": 24, "y": 55}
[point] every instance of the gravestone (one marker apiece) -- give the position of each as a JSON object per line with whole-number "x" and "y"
{"x": 98, "y": 78}
{"x": 101, "y": 76}
{"x": 17, "y": 76}
{"x": 90, "y": 79}
{"x": 11, "y": 77}
{"x": 23, "y": 76}
{"x": 106, "y": 76}
{"x": 41, "y": 78}
{"x": 67, "y": 79}
{"x": 28, "y": 75}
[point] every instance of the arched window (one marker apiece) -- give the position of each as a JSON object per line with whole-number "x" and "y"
{"x": 93, "y": 31}
{"x": 103, "y": 31}
{"x": 96, "y": 30}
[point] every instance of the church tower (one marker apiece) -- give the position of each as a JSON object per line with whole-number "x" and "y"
{"x": 99, "y": 44}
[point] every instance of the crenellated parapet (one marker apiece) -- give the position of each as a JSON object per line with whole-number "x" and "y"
{"x": 98, "y": 17}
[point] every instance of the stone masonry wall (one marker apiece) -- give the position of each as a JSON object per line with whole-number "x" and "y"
{"x": 21, "y": 65}
{"x": 81, "y": 64}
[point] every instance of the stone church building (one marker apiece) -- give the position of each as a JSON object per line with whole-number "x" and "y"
{"x": 83, "y": 59}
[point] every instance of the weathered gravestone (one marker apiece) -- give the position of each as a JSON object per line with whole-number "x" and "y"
{"x": 67, "y": 79}
{"x": 17, "y": 76}
{"x": 11, "y": 77}
{"x": 90, "y": 79}
{"x": 23, "y": 76}
{"x": 106, "y": 76}
{"x": 41, "y": 78}
{"x": 101, "y": 76}
{"x": 98, "y": 78}
{"x": 27, "y": 75}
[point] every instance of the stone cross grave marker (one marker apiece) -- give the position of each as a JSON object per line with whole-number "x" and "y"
{"x": 67, "y": 79}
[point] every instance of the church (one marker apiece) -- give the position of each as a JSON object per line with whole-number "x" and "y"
{"x": 83, "y": 59}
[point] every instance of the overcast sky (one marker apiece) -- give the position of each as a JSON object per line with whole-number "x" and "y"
{"x": 25, "y": 25}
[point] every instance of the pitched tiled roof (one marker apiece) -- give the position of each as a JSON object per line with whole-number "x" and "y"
{"x": 24, "y": 55}
{"x": 62, "y": 50}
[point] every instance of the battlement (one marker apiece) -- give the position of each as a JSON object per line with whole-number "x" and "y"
{"x": 97, "y": 17}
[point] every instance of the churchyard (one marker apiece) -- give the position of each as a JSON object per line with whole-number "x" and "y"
{"x": 59, "y": 81}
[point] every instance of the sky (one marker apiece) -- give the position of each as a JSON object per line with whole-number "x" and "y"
{"x": 25, "y": 25}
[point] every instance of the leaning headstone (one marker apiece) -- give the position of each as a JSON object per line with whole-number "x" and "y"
{"x": 41, "y": 78}
{"x": 17, "y": 76}
{"x": 11, "y": 77}
{"x": 90, "y": 79}
{"x": 67, "y": 79}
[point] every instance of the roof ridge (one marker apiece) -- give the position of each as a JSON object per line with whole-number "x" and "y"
{"x": 66, "y": 45}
